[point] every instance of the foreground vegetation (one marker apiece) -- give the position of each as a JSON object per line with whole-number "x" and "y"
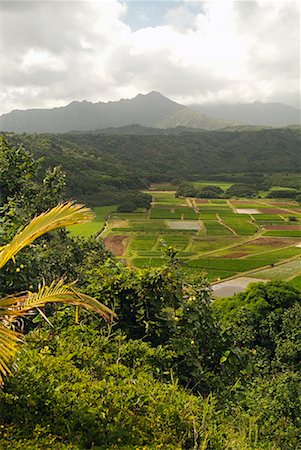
{"x": 176, "y": 370}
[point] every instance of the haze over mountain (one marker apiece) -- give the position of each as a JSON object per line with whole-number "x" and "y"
{"x": 257, "y": 113}
{"x": 150, "y": 110}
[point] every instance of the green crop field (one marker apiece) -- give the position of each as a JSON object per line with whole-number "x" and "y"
{"x": 296, "y": 282}
{"x": 213, "y": 227}
{"x": 208, "y": 244}
{"x": 95, "y": 226}
{"x": 240, "y": 225}
{"x": 284, "y": 233}
{"x": 224, "y": 185}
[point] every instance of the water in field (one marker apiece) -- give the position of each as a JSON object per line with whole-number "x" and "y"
{"x": 183, "y": 224}
{"x": 231, "y": 287}
{"x": 247, "y": 211}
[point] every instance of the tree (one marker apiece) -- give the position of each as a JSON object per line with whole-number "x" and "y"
{"x": 18, "y": 305}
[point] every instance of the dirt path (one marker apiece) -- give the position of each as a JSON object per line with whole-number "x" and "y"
{"x": 220, "y": 221}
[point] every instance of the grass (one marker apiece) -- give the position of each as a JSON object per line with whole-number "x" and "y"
{"x": 268, "y": 217}
{"x": 233, "y": 265}
{"x": 165, "y": 213}
{"x": 281, "y": 272}
{"x": 224, "y": 185}
{"x": 178, "y": 241}
{"x": 239, "y": 225}
{"x": 283, "y": 233}
{"x": 213, "y": 227}
{"x": 143, "y": 242}
{"x": 296, "y": 282}
{"x": 88, "y": 229}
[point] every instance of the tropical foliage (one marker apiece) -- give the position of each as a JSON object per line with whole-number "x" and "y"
{"x": 176, "y": 370}
{"x": 18, "y": 305}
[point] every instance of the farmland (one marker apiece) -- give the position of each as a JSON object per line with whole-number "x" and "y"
{"x": 220, "y": 238}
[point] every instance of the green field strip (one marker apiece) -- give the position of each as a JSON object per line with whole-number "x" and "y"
{"x": 283, "y": 233}
{"x": 178, "y": 241}
{"x": 241, "y": 227}
{"x": 206, "y": 208}
{"x": 224, "y": 185}
{"x": 296, "y": 282}
{"x": 234, "y": 265}
{"x": 284, "y": 271}
{"x": 277, "y": 254}
{"x": 263, "y": 217}
{"x": 96, "y": 225}
{"x": 270, "y": 222}
{"x": 213, "y": 227}
{"x": 208, "y": 216}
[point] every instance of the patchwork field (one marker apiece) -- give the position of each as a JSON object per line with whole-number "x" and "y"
{"x": 220, "y": 238}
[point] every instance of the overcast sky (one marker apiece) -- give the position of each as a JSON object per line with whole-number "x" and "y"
{"x": 54, "y": 52}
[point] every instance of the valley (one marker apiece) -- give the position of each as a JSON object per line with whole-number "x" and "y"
{"x": 222, "y": 239}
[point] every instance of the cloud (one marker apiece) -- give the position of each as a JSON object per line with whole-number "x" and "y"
{"x": 55, "y": 52}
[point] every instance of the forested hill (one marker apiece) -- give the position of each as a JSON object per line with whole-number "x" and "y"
{"x": 99, "y": 167}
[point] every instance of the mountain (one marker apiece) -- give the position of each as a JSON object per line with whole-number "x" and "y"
{"x": 185, "y": 117}
{"x": 263, "y": 114}
{"x": 148, "y": 110}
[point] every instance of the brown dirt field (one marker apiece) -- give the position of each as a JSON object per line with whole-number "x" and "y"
{"x": 272, "y": 211}
{"x": 235, "y": 255}
{"x": 115, "y": 244}
{"x": 281, "y": 242}
{"x": 295, "y": 210}
{"x": 283, "y": 227}
{"x": 283, "y": 204}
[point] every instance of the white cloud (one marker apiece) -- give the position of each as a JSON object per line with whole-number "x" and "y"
{"x": 55, "y": 52}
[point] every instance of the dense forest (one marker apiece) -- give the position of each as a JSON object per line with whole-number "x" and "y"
{"x": 173, "y": 370}
{"x": 104, "y": 169}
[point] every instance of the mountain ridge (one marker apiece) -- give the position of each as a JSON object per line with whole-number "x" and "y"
{"x": 148, "y": 110}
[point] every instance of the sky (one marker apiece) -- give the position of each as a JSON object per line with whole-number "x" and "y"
{"x": 55, "y": 52}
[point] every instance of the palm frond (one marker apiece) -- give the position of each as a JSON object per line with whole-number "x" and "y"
{"x": 15, "y": 306}
{"x": 58, "y": 292}
{"x": 9, "y": 340}
{"x": 61, "y": 216}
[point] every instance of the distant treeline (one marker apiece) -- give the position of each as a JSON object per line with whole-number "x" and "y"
{"x": 104, "y": 169}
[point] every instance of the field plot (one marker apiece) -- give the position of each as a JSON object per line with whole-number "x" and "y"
{"x": 90, "y": 228}
{"x": 215, "y": 228}
{"x": 283, "y": 233}
{"x": 241, "y": 226}
{"x": 284, "y": 271}
{"x": 184, "y": 224}
{"x": 247, "y": 211}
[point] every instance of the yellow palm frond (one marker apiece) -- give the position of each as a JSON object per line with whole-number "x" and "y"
{"x": 15, "y": 306}
{"x": 61, "y": 216}
{"x": 18, "y": 305}
{"x": 9, "y": 340}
